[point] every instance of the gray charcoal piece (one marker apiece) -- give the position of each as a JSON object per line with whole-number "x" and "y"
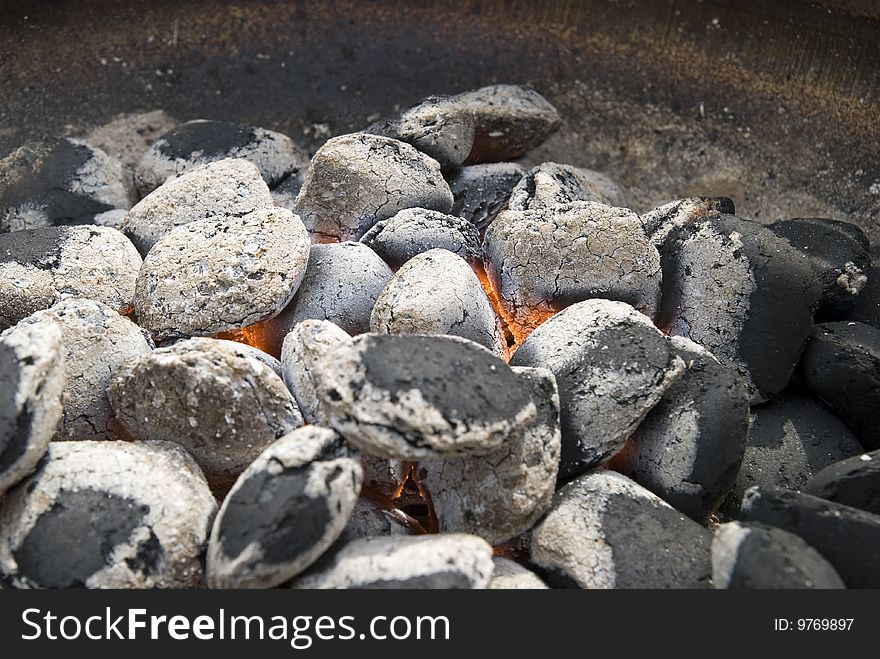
{"x": 221, "y": 274}
{"x": 357, "y": 180}
{"x": 284, "y": 511}
{"x": 479, "y": 192}
{"x": 59, "y": 181}
{"x": 866, "y": 307}
{"x": 39, "y": 267}
{"x": 230, "y": 187}
{"x": 612, "y": 366}
{"x": 542, "y": 260}
{"x": 128, "y": 135}
{"x": 212, "y": 397}
{"x": 199, "y": 142}
{"x": 410, "y": 397}
{"x": 107, "y": 515}
{"x": 440, "y": 561}
{"x": 741, "y": 292}
{"x": 370, "y": 519}
{"x": 437, "y": 292}
{"x": 96, "y": 342}
{"x": 501, "y": 495}
{"x": 754, "y": 556}
{"x": 853, "y": 482}
{"x": 689, "y": 447}
{"x": 304, "y": 347}
{"x": 605, "y": 531}
{"x": 509, "y": 575}
{"x": 551, "y": 184}
{"x": 285, "y": 193}
{"x": 661, "y": 221}
{"x": 31, "y": 385}
{"x": 440, "y": 127}
{"x": 510, "y": 120}
{"x": 416, "y": 230}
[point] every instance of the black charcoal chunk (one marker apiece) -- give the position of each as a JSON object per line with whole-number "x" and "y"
{"x": 866, "y": 307}
{"x": 853, "y": 482}
{"x": 661, "y": 221}
{"x": 285, "y": 193}
{"x": 479, "y": 192}
{"x": 370, "y": 518}
{"x": 551, "y": 184}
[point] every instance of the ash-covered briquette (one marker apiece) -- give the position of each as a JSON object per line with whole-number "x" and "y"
{"x": 853, "y": 482}
{"x": 220, "y": 274}
{"x": 661, "y": 221}
{"x": 847, "y": 537}
{"x": 612, "y": 366}
{"x": 440, "y": 561}
{"x": 551, "y": 184}
{"x": 411, "y": 397}
{"x": 303, "y": 349}
{"x": 284, "y": 511}
{"x": 479, "y": 192}
{"x": 39, "y": 267}
{"x": 437, "y": 292}
{"x": 689, "y": 447}
{"x": 107, "y": 515}
{"x": 230, "y": 187}
{"x": 31, "y": 385}
{"x": 605, "y": 531}
{"x": 211, "y": 396}
{"x": 754, "y": 556}
{"x": 510, "y": 120}
{"x": 357, "y": 180}
{"x": 509, "y": 575}
{"x": 416, "y": 230}
{"x": 128, "y": 135}
{"x": 59, "y": 181}
{"x": 369, "y": 518}
{"x": 200, "y": 142}
{"x": 543, "y": 259}
{"x": 96, "y": 341}
{"x": 839, "y": 253}
{"x": 841, "y": 365}
{"x": 790, "y": 439}
{"x": 741, "y": 292}
{"x": 441, "y": 127}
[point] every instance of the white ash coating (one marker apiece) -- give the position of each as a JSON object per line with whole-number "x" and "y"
{"x": 304, "y": 347}
{"x": 445, "y": 560}
{"x": 41, "y": 267}
{"x": 480, "y": 191}
{"x": 509, "y": 575}
{"x": 501, "y": 495}
{"x": 551, "y": 184}
{"x": 437, "y": 292}
{"x": 31, "y": 382}
{"x": 200, "y": 141}
{"x": 160, "y": 491}
{"x": 127, "y": 136}
{"x": 661, "y": 221}
{"x": 358, "y": 179}
{"x": 221, "y": 274}
{"x": 213, "y": 397}
{"x": 284, "y": 511}
{"x": 252, "y": 352}
{"x": 230, "y": 187}
{"x": 541, "y": 259}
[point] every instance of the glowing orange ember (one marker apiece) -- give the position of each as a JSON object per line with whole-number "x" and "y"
{"x": 259, "y": 335}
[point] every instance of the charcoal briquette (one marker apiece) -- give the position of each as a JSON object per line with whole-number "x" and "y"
{"x": 551, "y": 184}
{"x": 853, "y": 482}
{"x": 479, "y": 192}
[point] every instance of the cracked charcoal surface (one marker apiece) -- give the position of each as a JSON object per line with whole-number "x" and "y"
{"x": 501, "y": 495}
{"x": 108, "y": 515}
{"x": 357, "y": 180}
{"x": 661, "y": 221}
{"x": 31, "y": 385}
{"x": 689, "y": 447}
{"x": 437, "y": 292}
{"x": 371, "y": 519}
{"x": 853, "y": 482}
{"x": 445, "y": 560}
{"x": 411, "y": 397}
{"x": 847, "y": 537}
{"x": 510, "y": 120}
{"x": 509, "y": 575}
{"x": 96, "y": 342}
{"x": 741, "y": 292}
{"x": 210, "y": 396}
{"x": 611, "y": 365}
{"x": 199, "y": 142}
{"x": 841, "y": 365}
{"x": 416, "y": 230}
{"x": 605, "y": 531}
{"x": 762, "y": 557}
{"x": 551, "y": 184}
{"x": 59, "y": 181}
{"x": 545, "y": 259}
{"x": 221, "y": 274}
{"x": 230, "y": 187}
{"x": 479, "y": 192}
{"x": 440, "y": 127}
{"x": 40, "y": 267}
{"x": 284, "y": 511}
